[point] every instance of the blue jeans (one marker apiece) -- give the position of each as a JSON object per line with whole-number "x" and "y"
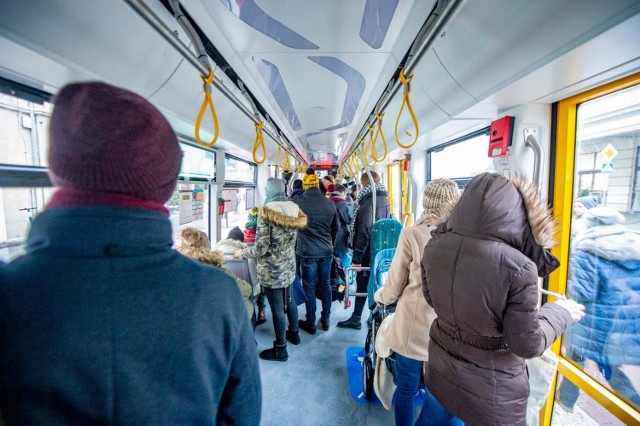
{"x": 407, "y": 375}
{"x": 316, "y": 272}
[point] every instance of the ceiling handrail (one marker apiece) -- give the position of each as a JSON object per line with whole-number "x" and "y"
{"x": 374, "y": 152}
{"x": 259, "y": 143}
{"x": 406, "y": 100}
{"x": 152, "y": 19}
{"x": 207, "y": 101}
{"x": 431, "y": 30}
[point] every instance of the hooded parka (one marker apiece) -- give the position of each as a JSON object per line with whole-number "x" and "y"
{"x": 278, "y": 224}
{"x": 480, "y": 273}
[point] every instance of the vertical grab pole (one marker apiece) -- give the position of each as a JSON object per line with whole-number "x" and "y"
{"x": 530, "y": 141}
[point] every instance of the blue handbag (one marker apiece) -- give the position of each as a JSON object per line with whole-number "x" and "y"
{"x": 298, "y": 292}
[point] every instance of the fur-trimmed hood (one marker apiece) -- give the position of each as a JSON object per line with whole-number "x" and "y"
{"x": 509, "y": 210}
{"x": 284, "y": 213}
{"x": 203, "y": 255}
{"x": 606, "y": 237}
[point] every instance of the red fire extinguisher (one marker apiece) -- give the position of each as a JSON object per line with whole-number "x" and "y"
{"x": 220, "y": 206}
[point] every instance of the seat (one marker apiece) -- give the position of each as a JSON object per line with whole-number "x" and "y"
{"x": 245, "y": 269}
{"x": 240, "y": 267}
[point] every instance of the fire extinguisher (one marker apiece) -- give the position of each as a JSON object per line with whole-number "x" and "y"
{"x": 220, "y": 206}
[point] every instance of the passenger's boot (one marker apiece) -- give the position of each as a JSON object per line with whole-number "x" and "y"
{"x": 262, "y": 317}
{"x": 306, "y": 326}
{"x": 277, "y": 353}
{"x": 293, "y": 337}
{"x": 325, "y": 323}
{"x": 352, "y": 322}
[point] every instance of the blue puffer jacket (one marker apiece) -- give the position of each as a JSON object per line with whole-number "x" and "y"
{"x": 604, "y": 276}
{"x": 101, "y": 322}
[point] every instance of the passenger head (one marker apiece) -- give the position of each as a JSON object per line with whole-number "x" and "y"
{"x": 297, "y": 184}
{"x": 107, "y": 139}
{"x": 602, "y": 216}
{"x": 510, "y": 210}
{"x": 236, "y": 234}
{"x": 364, "y": 179}
{"x": 196, "y": 245}
{"x": 274, "y": 190}
{"x": 331, "y": 188}
{"x": 582, "y": 204}
{"x": 326, "y": 181}
{"x": 192, "y": 237}
{"x": 310, "y": 180}
{"x": 438, "y": 200}
{"x": 252, "y": 219}
{"x": 342, "y": 190}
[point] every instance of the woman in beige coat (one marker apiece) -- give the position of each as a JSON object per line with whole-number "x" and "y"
{"x": 408, "y": 334}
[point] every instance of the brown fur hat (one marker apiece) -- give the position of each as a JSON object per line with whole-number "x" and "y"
{"x": 196, "y": 245}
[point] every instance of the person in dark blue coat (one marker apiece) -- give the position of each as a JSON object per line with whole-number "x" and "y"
{"x": 101, "y": 321}
{"x": 604, "y": 276}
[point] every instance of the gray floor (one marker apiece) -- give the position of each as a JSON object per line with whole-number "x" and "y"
{"x": 312, "y": 387}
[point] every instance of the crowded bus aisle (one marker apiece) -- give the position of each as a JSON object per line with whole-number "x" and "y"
{"x": 312, "y": 387}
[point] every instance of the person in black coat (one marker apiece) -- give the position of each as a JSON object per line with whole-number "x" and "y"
{"x": 341, "y": 246}
{"x": 314, "y": 247}
{"x": 360, "y": 229}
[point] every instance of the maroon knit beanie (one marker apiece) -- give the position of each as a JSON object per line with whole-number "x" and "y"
{"x": 107, "y": 139}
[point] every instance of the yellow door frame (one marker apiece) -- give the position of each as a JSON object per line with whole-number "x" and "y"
{"x": 562, "y": 204}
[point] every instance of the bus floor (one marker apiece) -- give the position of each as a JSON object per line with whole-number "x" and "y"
{"x": 312, "y": 387}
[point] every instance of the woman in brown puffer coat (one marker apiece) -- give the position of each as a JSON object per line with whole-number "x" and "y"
{"x": 480, "y": 273}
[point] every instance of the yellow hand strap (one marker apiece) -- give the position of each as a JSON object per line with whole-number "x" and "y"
{"x": 374, "y": 140}
{"x": 207, "y": 101}
{"x": 406, "y": 83}
{"x": 277, "y": 162}
{"x": 259, "y": 143}
{"x": 286, "y": 165}
{"x": 364, "y": 147}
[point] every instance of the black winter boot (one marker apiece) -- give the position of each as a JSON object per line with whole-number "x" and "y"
{"x": 293, "y": 337}
{"x": 352, "y": 322}
{"x": 325, "y": 323}
{"x": 277, "y": 353}
{"x": 308, "y": 327}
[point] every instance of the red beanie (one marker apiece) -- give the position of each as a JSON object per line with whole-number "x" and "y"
{"x": 106, "y": 139}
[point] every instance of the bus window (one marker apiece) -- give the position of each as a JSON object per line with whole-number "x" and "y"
{"x": 189, "y": 207}
{"x": 604, "y": 257}
{"x": 461, "y": 159}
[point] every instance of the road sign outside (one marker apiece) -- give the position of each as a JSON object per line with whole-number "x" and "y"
{"x": 609, "y": 153}
{"x": 606, "y": 167}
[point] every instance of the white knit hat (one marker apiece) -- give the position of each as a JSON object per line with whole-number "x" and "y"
{"x": 438, "y": 200}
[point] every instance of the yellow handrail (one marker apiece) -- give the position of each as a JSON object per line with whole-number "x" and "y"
{"x": 363, "y": 151}
{"x": 406, "y": 83}
{"x": 374, "y": 140}
{"x": 207, "y": 101}
{"x": 259, "y": 143}
{"x": 277, "y": 162}
{"x": 286, "y": 165}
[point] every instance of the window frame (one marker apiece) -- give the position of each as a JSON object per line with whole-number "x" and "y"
{"x": 563, "y": 160}
{"x": 228, "y": 184}
{"x": 443, "y": 146}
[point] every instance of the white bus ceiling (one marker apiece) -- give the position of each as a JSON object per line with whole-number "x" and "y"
{"x": 332, "y": 59}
